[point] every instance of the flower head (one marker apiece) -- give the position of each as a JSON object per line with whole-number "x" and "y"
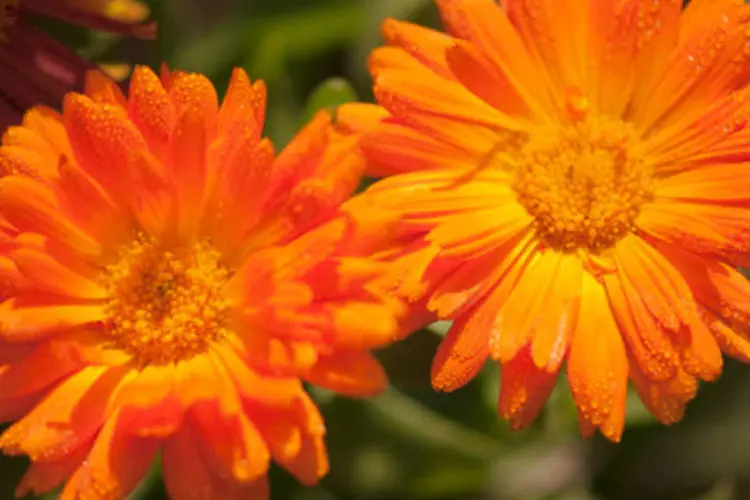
{"x": 34, "y": 68}
{"x": 573, "y": 181}
{"x": 168, "y": 283}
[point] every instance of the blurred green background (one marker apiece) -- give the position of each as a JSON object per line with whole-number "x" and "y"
{"x": 411, "y": 443}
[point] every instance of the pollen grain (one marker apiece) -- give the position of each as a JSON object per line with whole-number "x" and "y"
{"x": 165, "y": 306}
{"x": 583, "y": 183}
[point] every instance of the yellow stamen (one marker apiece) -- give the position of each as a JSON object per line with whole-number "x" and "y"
{"x": 165, "y": 306}
{"x": 584, "y": 183}
{"x": 128, "y": 11}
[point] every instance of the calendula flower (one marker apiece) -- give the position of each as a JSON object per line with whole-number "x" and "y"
{"x": 168, "y": 285}
{"x": 573, "y": 181}
{"x": 36, "y": 69}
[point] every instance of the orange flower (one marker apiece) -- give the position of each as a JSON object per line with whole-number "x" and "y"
{"x": 573, "y": 184}
{"x": 34, "y": 68}
{"x": 168, "y": 284}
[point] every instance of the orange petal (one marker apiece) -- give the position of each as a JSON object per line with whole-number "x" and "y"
{"x": 707, "y": 184}
{"x": 47, "y": 123}
{"x": 281, "y": 430}
{"x": 524, "y": 389}
{"x": 11, "y": 351}
{"x": 311, "y": 462}
{"x": 31, "y": 323}
{"x": 598, "y": 363}
{"x": 358, "y": 117}
{"x": 707, "y": 64}
{"x": 62, "y": 254}
{"x": 561, "y": 34}
{"x": 393, "y": 58}
{"x": 111, "y": 149}
{"x": 716, "y": 135}
{"x": 484, "y": 80}
{"x": 614, "y": 29}
{"x": 44, "y": 476}
{"x": 147, "y": 404}
{"x": 552, "y": 31}
{"x": 188, "y": 477}
{"x": 418, "y": 96}
{"x": 521, "y": 314}
{"x": 464, "y": 350}
{"x": 658, "y": 28}
{"x": 47, "y": 364}
{"x": 430, "y": 196}
{"x": 11, "y": 281}
{"x": 733, "y": 342}
{"x": 393, "y": 149}
{"x": 24, "y": 139}
{"x": 243, "y": 97}
{"x": 666, "y": 399}
{"x": 550, "y": 342}
{"x": 479, "y": 303}
{"x": 352, "y": 373}
{"x": 29, "y": 206}
{"x": 16, "y": 408}
{"x": 341, "y": 166}
{"x": 86, "y": 203}
{"x": 649, "y": 345}
{"x": 475, "y": 233}
{"x": 316, "y": 172}
{"x": 316, "y": 246}
{"x": 196, "y": 380}
{"x": 699, "y": 352}
{"x": 720, "y": 288}
{"x": 186, "y": 163}
{"x": 242, "y": 166}
{"x": 150, "y": 109}
{"x": 86, "y": 344}
{"x": 66, "y": 419}
{"x": 702, "y": 228}
{"x": 410, "y": 272}
{"x": 28, "y": 162}
{"x": 49, "y": 274}
{"x": 661, "y": 287}
{"x": 362, "y": 325}
{"x": 115, "y": 466}
{"x": 426, "y": 45}
{"x": 231, "y": 444}
{"x": 239, "y": 163}
{"x": 470, "y": 281}
{"x": 299, "y": 159}
{"x": 194, "y": 94}
{"x": 264, "y": 390}
{"x": 103, "y": 90}
{"x": 485, "y": 24}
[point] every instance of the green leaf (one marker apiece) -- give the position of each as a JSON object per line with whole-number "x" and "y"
{"x": 408, "y": 362}
{"x": 688, "y": 458}
{"x": 405, "y": 415}
{"x": 369, "y": 33}
{"x": 440, "y": 328}
{"x": 636, "y": 413}
{"x": 12, "y": 470}
{"x": 302, "y": 33}
{"x": 328, "y": 95}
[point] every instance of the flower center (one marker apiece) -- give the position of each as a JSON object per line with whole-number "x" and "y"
{"x": 165, "y": 306}
{"x": 8, "y": 13}
{"x": 584, "y": 183}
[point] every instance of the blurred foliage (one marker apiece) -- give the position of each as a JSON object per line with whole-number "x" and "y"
{"x": 412, "y": 443}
